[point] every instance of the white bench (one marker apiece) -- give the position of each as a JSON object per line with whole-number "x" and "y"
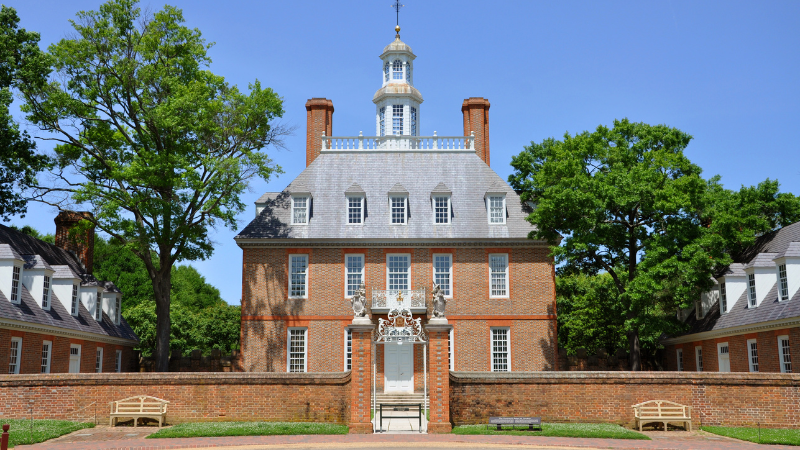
{"x": 662, "y": 411}
{"x": 139, "y": 406}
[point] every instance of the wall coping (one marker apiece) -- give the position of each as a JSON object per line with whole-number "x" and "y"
{"x": 175, "y": 378}
{"x": 607, "y": 377}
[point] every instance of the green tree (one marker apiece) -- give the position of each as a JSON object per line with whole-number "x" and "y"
{"x": 163, "y": 147}
{"x": 21, "y": 62}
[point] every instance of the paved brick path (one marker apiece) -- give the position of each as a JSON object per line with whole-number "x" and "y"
{"x": 675, "y": 442}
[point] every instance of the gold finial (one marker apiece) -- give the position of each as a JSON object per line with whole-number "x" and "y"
{"x": 397, "y": 28}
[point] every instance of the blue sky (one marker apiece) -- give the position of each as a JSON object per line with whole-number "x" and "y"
{"x": 724, "y": 72}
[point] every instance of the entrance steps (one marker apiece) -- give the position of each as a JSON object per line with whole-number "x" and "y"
{"x": 395, "y": 398}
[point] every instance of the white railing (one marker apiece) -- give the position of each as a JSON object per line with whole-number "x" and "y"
{"x": 394, "y": 298}
{"x": 398, "y": 143}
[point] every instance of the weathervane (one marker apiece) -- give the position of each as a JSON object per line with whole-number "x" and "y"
{"x": 396, "y": 6}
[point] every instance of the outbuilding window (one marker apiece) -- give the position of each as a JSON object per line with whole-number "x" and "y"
{"x": 680, "y": 359}
{"x": 118, "y": 362}
{"x": 752, "y": 348}
{"x": 98, "y": 363}
{"x": 15, "y": 355}
{"x": 784, "y": 354}
{"x": 698, "y": 355}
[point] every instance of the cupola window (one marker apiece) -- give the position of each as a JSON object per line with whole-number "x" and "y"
{"x": 408, "y": 72}
{"x": 413, "y": 121}
{"x": 397, "y": 120}
{"x": 397, "y": 70}
{"x": 383, "y": 117}
{"x": 386, "y": 72}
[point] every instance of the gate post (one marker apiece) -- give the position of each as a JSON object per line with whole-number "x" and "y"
{"x": 361, "y": 379}
{"x": 439, "y": 386}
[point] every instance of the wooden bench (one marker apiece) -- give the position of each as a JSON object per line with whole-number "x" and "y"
{"x": 139, "y": 406}
{"x": 531, "y": 422}
{"x": 662, "y": 411}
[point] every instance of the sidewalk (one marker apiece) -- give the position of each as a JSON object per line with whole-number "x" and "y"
{"x": 669, "y": 441}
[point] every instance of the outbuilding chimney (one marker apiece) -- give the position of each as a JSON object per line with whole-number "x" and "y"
{"x": 476, "y": 118}
{"x": 78, "y": 241}
{"x": 319, "y": 119}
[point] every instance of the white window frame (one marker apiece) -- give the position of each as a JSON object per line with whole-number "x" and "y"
{"x": 508, "y": 348}
{"x": 507, "y": 275}
{"x": 398, "y": 120}
{"x": 408, "y": 270}
{"x": 98, "y": 307}
{"x": 447, "y": 207}
{"x": 405, "y": 209}
{"x": 397, "y": 74}
{"x": 723, "y": 298}
{"x": 98, "y": 361}
{"x": 307, "y": 207}
{"x": 46, "y": 289}
{"x": 289, "y": 349}
{"x": 452, "y": 349}
{"x": 79, "y": 347}
{"x": 752, "y": 300}
{"x": 727, "y": 347}
{"x": 75, "y": 309}
{"x": 118, "y": 309}
{"x": 448, "y": 290}
{"x": 752, "y": 354}
{"x": 118, "y": 361}
{"x": 786, "y": 366}
{"x": 292, "y": 256}
{"x": 47, "y": 355}
{"x": 413, "y": 114}
{"x": 698, "y": 358}
{"x": 489, "y": 198}
{"x": 360, "y": 219}
{"x": 15, "y": 360}
{"x": 16, "y": 281}
{"x": 679, "y": 359}
{"x": 348, "y": 349}
{"x": 382, "y": 116}
{"x": 347, "y": 273}
{"x": 783, "y": 283}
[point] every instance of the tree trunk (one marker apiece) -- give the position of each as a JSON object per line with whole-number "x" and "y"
{"x": 636, "y": 351}
{"x": 162, "y": 284}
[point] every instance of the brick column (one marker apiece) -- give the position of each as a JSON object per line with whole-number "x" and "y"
{"x": 361, "y": 379}
{"x": 476, "y": 118}
{"x": 80, "y": 241}
{"x": 319, "y": 119}
{"x": 439, "y": 381}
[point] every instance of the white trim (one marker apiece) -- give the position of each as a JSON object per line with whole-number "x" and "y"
{"x": 118, "y": 361}
{"x": 348, "y": 333}
{"x": 721, "y": 356}
{"x": 16, "y": 291}
{"x": 450, "y": 271}
{"x": 14, "y": 361}
{"x": 734, "y": 331}
{"x": 452, "y": 349}
{"x": 305, "y": 282}
{"x": 783, "y": 293}
{"x": 408, "y": 271}
{"x": 698, "y": 358}
{"x": 752, "y": 357}
{"x": 47, "y": 289}
{"x": 75, "y": 305}
{"x": 347, "y": 273}
{"x": 405, "y": 209}
{"x": 98, "y": 360}
{"x": 508, "y": 348}
{"x": 63, "y": 332}
{"x": 507, "y": 275}
{"x": 289, "y": 348}
{"x": 679, "y": 358}
{"x": 360, "y": 197}
{"x": 752, "y": 294}
{"x": 489, "y": 198}
{"x": 307, "y": 208}
{"x": 80, "y": 350}
{"x": 46, "y": 359}
{"x": 781, "y": 355}
{"x": 449, "y": 213}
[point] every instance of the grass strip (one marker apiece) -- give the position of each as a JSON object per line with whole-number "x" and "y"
{"x": 23, "y": 432}
{"x": 580, "y": 430}
{"x": 768, "y": 435}
{"x": 211, "y": 429}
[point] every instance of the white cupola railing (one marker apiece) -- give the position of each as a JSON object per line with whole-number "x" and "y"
{"x": 334, "y": 144}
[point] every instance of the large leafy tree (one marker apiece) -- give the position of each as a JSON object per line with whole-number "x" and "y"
{"x": 21, "y": 62}
{"x": 158, "y": 147}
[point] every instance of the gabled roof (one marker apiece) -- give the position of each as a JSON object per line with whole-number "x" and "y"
{"x": 398, "y": 189}
{"x": 8, "y": 252}
{"x": 28, "y": 245}
{"x": 354, "y": 189}
{"x": 734, "y": 270}
{"x": 35, "y": 262}
{"x": 64, "y": 271}
{"x": 792, "y": 251}
{"x": 441, "y": 189}
{"x": 761, "y": 260}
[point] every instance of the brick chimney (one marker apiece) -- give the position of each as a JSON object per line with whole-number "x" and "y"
{"x": 319, "y": 119}
{"x": 81, "y": 243}
{"x": 476, "y": 118}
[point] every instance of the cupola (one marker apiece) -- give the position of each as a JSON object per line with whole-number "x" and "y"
{"x": 397, "y": 101}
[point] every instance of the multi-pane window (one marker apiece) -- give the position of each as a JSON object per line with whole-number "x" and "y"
{"x": 297, "y": 350}
{"x": 74, "y": 310}
{"x": 98, "y": 308}
{"x": 442, "y": 267}
{"x": 355, "y": 209}
{"x": 46, "y": 293}
{"x": 723, "y": 297}
{"x": 751, "y": 293}
{"x": 752, "y": 348}
{"x": 500, "y": 350}
{"x": 386, "y": 72}
{"x": 497, "y": 210}
{"x": 47, "y": 347}
{"x": 382, "y": 113}
{"x": 680, "y": 359}
{"x": 348, "y": 349}
{"x": 413, "y": 121}
{"x": 397, "y": 120}
{"x": 398, "y": 206}
{"x": 698, "y": 355}
{"x": 397, "y": 70}
{"x": 298, "y": 277}
{"x": 98, "y": 362}
{"x": 441, "y": 209}
{"x": 300, "y": 210}
{"x": 408, "y": 72}
{"x": 784, "y": 354}
{"x": 118, "y": 362}
{"x": 783, "y": 282}
{"x": 398, "y": 267}
{"x": 355, "y": 272}
{"x": 15, "y": 285}
{"x": 498, "y": 269}
{"x": 14, "y": 355}
{"x": 118, "y": 310}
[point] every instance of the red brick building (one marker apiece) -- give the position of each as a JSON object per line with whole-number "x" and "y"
{"x": 750, "y": 320}
{"x": 396, "y": 211}
{"x": 55, "y": 317}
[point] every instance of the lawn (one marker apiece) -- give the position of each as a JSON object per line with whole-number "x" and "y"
{"x": 21, "y": 431}
{"x": 768, "y": 435}
{"x": 206, "y": 429}
{"x": 582, "y": 430}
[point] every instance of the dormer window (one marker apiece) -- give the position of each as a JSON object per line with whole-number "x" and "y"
{"x": 118, "y": 310}
{"x": 441, "y": 209}
{"x": 783, "y": 282}
{"x": 398, "y": 209}
{"x": 98, "y": 308}
{"x": 386, "y": 72}
{"x": 75, "y": 307}
{"x": 15, "y": 276}
{"x": 496, "y": 205}
{"x": 300, "y": 210}
{"x": 723, "y": 298}
{"x": 397, "y": 70}
{"x": 751, "y": 293}
{"x": 355, "y": 210}
{"x": 46, "y": 293}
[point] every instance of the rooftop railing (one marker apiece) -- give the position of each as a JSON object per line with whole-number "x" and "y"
{"x": 398, "y": 143}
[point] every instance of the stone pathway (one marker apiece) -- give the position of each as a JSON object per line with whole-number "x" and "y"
{"x": 102, "y": 433}
{"x": 399, "y": 425}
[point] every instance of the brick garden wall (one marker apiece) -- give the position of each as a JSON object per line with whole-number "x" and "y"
{"x": 731, "y": 399}
{"x": 193, "y": 397}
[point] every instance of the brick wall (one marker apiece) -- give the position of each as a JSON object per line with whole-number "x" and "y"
{"x": 732, "y": 399}
{"x": 193, "y": 396}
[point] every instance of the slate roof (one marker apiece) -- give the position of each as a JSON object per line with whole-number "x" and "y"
{"x": 378, "y": 173}
{"x": 64, "y": 271}
{"x": 23, "y": 244}
{"x": 35, "y": 262}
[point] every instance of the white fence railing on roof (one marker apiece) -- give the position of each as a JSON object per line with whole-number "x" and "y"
{"x": 398, "y": 143}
